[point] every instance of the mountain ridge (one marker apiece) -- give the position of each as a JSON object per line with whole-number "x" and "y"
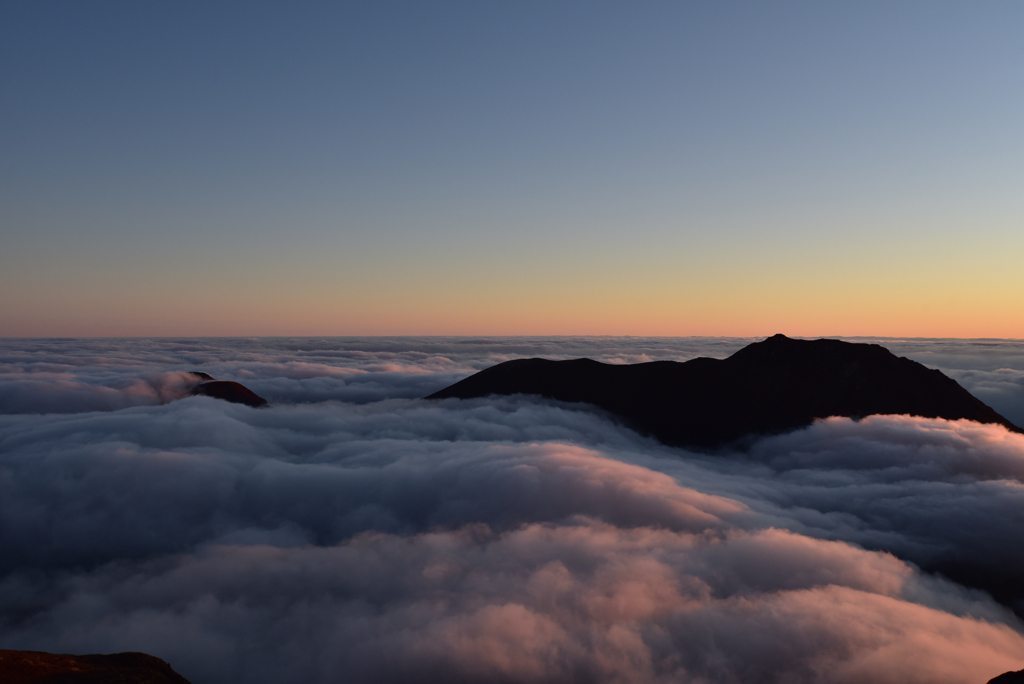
{"x": 769, "y": 387}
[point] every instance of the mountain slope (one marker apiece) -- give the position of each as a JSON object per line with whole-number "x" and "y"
{"x": 768, "y": 387}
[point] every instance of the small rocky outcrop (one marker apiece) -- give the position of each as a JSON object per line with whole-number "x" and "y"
{"x": 227, "y": 390}
{"x": 38, "y": 667}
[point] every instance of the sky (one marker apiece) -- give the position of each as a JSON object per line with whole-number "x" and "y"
{"x": 461, "y": 168}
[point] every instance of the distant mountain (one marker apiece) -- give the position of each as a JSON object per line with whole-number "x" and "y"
{"x": 766, "y": 388}
{"x": 37, "y": 667}
{"x": 227, "y": 390}
{"x": 1009, "y": 678}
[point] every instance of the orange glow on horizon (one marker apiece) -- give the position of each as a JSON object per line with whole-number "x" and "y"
{"x": 600, "y": 293}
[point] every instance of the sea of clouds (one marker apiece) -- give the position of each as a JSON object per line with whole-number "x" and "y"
{"x": 355, "y": 532}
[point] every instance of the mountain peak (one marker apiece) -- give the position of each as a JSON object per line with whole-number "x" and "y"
{"x": 228, "y": 390}
{"x": 768, "y": 387}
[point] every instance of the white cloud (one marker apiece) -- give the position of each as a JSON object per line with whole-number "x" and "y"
{"x": 385, "y": 538}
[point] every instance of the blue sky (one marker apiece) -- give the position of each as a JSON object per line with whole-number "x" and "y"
{"x": 511, "y": 168}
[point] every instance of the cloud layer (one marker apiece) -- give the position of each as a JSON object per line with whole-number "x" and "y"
{"x": 354, "y": 531}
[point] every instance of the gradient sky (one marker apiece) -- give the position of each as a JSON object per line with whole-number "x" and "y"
{"x": 684, "y": 168}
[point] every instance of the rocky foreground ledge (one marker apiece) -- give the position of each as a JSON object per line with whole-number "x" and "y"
{"x": 37, "y": 667}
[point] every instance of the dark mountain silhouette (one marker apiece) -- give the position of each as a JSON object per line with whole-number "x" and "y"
{"x": 37, "y": 667}
{"x": 766, "y": 388}
{"x": 1009, "y": 678}
{"x": 227, "y": 390}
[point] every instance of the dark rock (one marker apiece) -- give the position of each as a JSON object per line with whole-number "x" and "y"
{"x": 229, "y": 391}
{"x": 1009, "y": 678}
{"x": 225, "y": 389}
{"x": 37, "y": 667}
{"x": 766, "y": 388}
